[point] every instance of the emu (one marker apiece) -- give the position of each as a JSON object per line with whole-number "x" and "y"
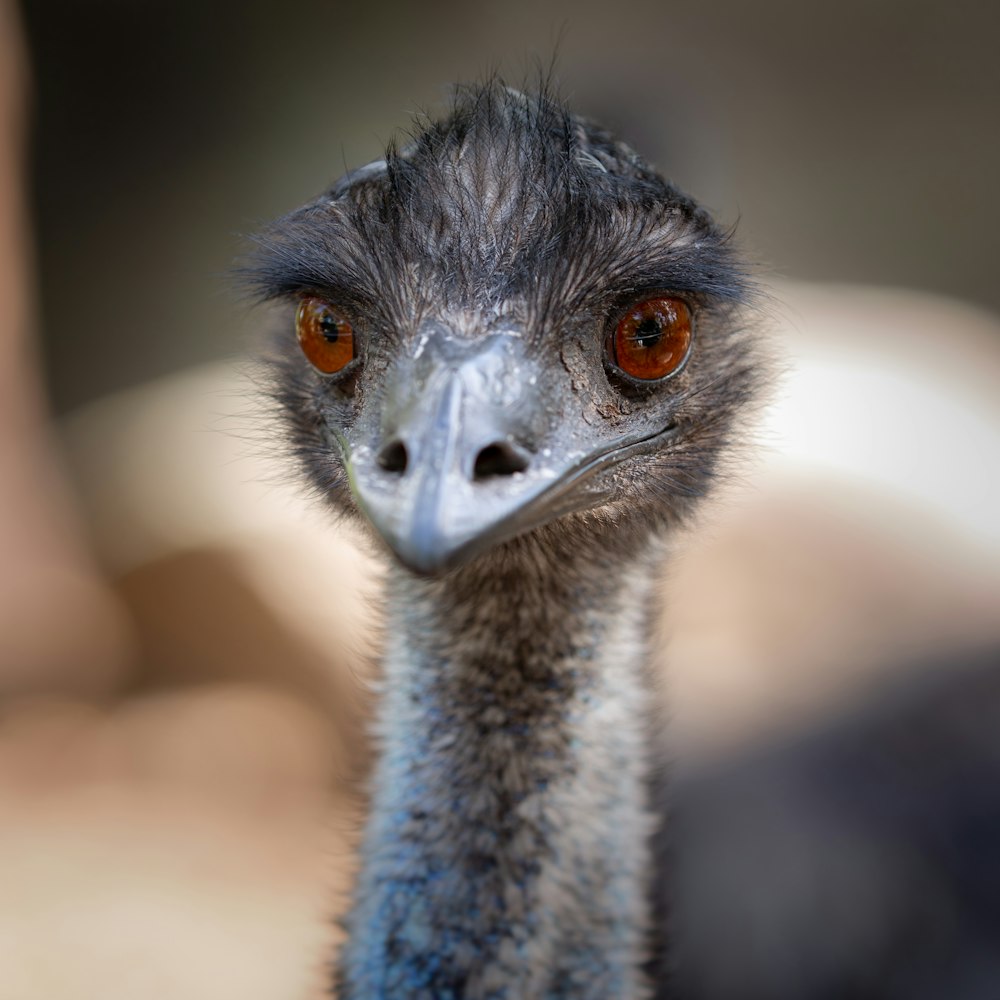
{"x": 520, "y": 356}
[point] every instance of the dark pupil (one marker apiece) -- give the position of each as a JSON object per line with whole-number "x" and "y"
{"x": 648, "y": 333}
{"x": 330, "y": 328}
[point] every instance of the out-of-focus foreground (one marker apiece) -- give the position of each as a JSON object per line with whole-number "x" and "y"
{"x": 186, "y": 639}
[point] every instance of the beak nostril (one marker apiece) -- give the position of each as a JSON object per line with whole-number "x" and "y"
{"x": 394, "y": 457}
{"x": 499, "y": 459}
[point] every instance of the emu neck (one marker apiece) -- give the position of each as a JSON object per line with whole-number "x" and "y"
{"x": 507, "y": 851}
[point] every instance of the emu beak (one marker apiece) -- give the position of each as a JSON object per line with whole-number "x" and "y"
{"x": 468, "y": 446}
{"x": 451, "y": 470}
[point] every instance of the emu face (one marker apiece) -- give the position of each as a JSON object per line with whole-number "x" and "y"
{"x": 476, "y": 316}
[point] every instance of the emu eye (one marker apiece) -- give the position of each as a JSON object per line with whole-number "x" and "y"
{"x": 653, "y": 339}
{"x": 325, "y": 336}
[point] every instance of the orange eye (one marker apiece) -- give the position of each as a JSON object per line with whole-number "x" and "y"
{"x": 653, "y": 339}
{"x": 326, "y": 338}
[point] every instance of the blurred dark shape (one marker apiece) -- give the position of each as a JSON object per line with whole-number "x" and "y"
{"x": 861, "y": 860}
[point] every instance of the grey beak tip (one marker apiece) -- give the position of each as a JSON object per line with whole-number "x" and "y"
{"x": 427, "y": 553}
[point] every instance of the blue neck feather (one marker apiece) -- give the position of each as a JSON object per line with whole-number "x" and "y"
{"x": 506, "y": 854}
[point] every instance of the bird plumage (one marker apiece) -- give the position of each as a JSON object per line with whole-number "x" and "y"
{"x": 526, "y": 489}
{"x": 513, "y": 719}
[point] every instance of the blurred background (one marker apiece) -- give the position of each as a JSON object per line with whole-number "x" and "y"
{"x": 184, "y": 640}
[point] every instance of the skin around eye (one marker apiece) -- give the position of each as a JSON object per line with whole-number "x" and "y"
{"x": 653, "y": 339}
{"x": 325, "y": 336}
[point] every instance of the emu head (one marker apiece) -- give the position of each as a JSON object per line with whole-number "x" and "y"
{"x": 509, "y": 323}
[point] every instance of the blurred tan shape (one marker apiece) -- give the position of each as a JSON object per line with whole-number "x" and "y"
{"x": 201, "y": 616}
{"x": 808, "y": 597}
{"x": 897, "y": 392}
{"x": 181, "y": 846}
{"x": 60, "y": 628}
